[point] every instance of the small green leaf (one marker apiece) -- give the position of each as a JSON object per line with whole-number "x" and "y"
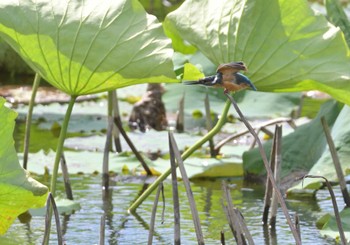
{"x": 85, "y": 47}
{"x": 18, "y": 191}
{"x": 191, "y": 72}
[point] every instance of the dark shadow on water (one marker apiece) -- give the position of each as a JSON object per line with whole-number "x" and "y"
{"x": 25, "y": 218}
{"x": 142, "y": 222}
{"x": 64, "y": 224}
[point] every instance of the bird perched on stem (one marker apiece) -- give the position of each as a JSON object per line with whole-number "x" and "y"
{"x": 227, "y": 77}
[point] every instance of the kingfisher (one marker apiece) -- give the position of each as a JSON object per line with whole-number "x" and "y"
{"x": 227, "y": 77}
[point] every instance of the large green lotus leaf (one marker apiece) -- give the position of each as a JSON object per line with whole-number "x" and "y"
{"x": 286, "y": 46}
{"x": 79, "y": 162}
{"x": 85, "y": 47}
{"x": 64, "y": 207}
{"x": 213, "y": 168}
{"x": 300, "y": 149}
{"x": 18, "y": 191}
{"x": 151, "y": 141}
{"x": 89, "y": 162}
{"x": 178, "y": 43}
{"x": 202, "y": 65}
{"x": 325, "y": 166}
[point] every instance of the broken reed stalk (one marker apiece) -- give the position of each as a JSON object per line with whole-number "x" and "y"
{"x": 336, "y": 162}
{"x": 194, "y": 212}
{"x": 65, "y": 174}
{"x": 209, "y": 124}
{"x": 266, "y": 234}
{"x": 184, "y": 155}
{"x": 180, "y": 120}
{"x": 230, "y": 215}
{"x": 102, "y": 229}
{"x": 105, "y": 164}
{"x": 238, "y": 227}
{"x": 268, "y": 187}
{"x": 266, "y": 131}
{"x": 244, "y": 228}
{"x": 268, "y": 171}
{"x": 35, "y": 87}
{"x": 273, "y": 236}
{"x": 116, "y": 113}
{"x": 274, "y": 207}
{"x": 51, "y": 202}
{"x": 335, "y": 206}
{"x": 297, "y": 224}
{"x": 153, "y": 215}
{"x": 252, "y": 145}
{"x": 119, "y": 124}
{"x": 163, "y": 207}
{"x": 222, "y": 238}
{"x": 177, "y": 238}
{"x": 277, "y": 170}
{"x": 232, "y": 221}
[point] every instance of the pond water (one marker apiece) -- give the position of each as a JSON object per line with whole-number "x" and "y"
{"x": 83, "y": 226}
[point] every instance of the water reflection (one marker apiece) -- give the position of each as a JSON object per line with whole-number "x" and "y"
{"x": 64, "y": 223}
{"x": 107, "y": 207}
{"x": 83, "y": 227}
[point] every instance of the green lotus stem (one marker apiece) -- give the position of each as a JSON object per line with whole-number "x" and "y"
{"x": 59, "y": 152}
{"x": 110, "y": 115}
{"x": 29, "y": 119}
{"x": 110, "y": 104}
{"x": 185, "y": 155}
{"x": 60, "y": 143}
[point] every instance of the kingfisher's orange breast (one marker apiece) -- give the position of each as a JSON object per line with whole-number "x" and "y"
{"x": 233, "y": 86}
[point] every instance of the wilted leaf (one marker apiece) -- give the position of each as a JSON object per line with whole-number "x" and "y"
{"x": 18, "y": 191}
{"x": 300, "y": 149}
{"x": 85, "y": 47}
{"x": 324, "y": 166}
{"x": 286, "y": 46}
